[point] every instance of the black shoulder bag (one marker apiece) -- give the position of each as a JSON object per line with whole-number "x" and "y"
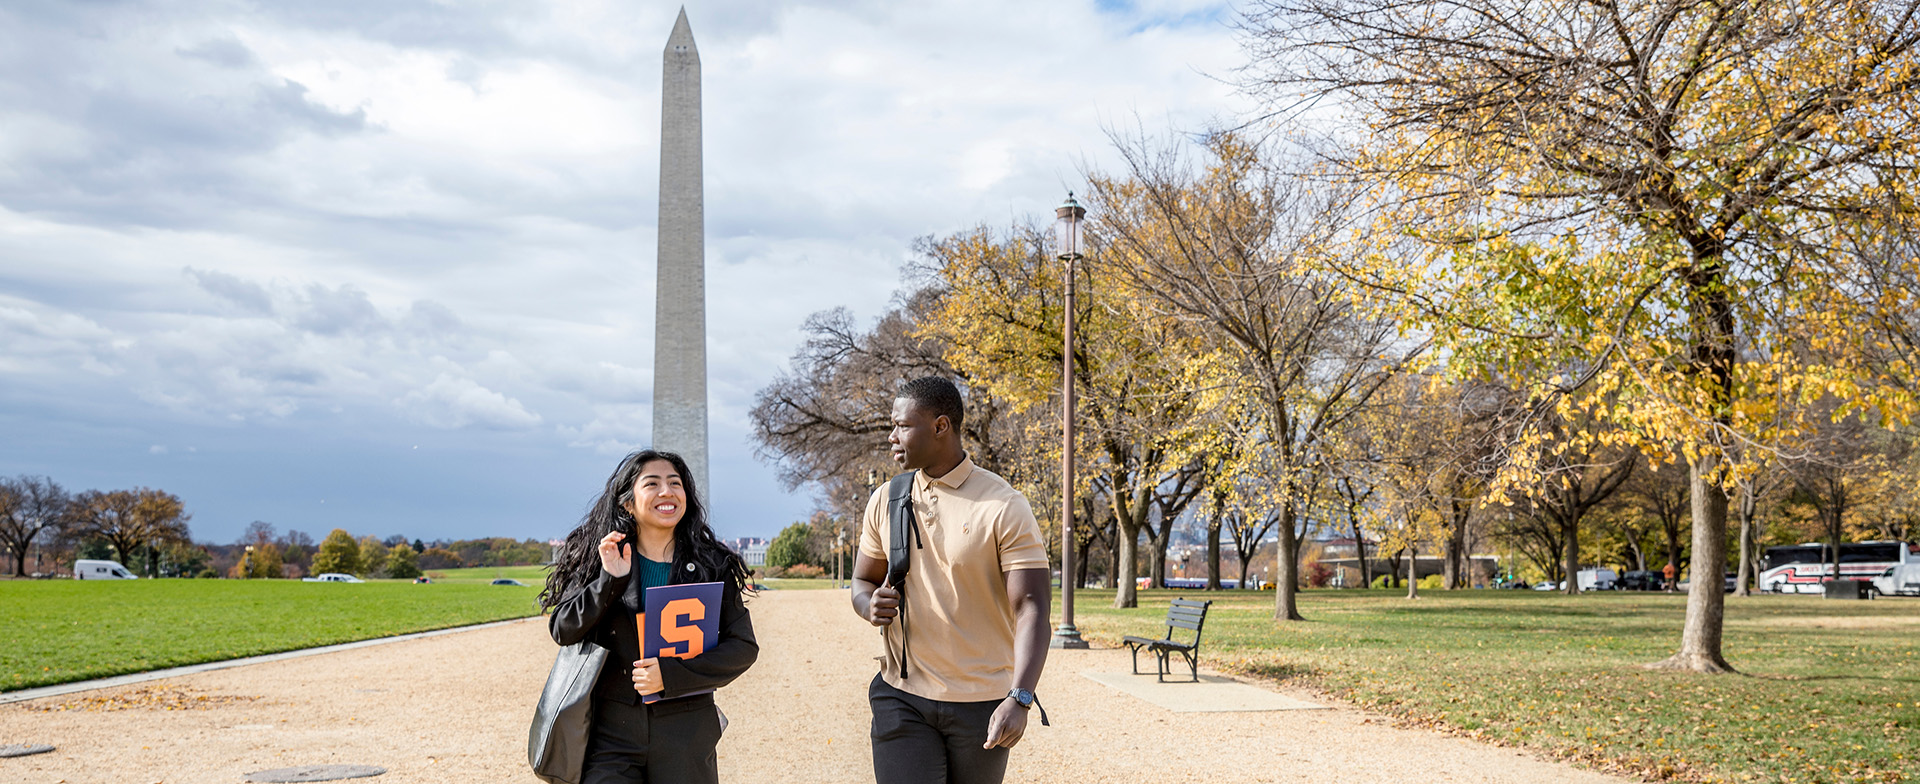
{"x": 901, "y": 527}
{"x": 557, "y": 739}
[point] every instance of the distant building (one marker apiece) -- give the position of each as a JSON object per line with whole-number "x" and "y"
{"x": 751, "y": 549}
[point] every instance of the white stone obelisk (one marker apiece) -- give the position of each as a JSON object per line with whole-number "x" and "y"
{"x": 680, "y": 320}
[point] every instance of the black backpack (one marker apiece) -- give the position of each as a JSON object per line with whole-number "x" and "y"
{"x": 902, "y": 527}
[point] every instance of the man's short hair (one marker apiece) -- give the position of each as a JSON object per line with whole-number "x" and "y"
{"x": 938, "y": 396}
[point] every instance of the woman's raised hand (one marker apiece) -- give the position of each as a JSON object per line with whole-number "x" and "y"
{"x": 613, "y": 555}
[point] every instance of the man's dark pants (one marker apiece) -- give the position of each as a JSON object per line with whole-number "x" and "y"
{"x": 922, "y": 741}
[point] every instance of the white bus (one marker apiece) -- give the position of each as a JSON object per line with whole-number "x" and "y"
{"x": 1801, "y": 568}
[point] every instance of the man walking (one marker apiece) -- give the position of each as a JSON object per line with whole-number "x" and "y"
{"x": 966, "y": 631}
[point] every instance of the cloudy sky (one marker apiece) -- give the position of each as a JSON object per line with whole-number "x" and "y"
{"x": 388, "y": 265}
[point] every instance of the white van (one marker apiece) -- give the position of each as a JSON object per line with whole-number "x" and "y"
{"x": 1598, "y": 580}
{"x": 1902, "y": 580}
{"x": 101, "y": 570}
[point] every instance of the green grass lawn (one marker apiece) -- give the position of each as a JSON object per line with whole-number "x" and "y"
{"x": 799, "y": 584}
{"x": 535, "y": 576}
{"x": 1830, "y": 691}
{"x": 67, "y": 630}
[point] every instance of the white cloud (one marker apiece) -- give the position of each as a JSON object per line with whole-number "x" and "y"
{"x": 450, "y": 403}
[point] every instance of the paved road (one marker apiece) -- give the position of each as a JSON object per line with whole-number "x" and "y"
{"x": 455, "y": 708}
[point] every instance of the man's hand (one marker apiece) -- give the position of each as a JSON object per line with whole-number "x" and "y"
{"x": 646, "y": 676}
{"x": 884, "y": 606}
{"x": 1008, "y": 726}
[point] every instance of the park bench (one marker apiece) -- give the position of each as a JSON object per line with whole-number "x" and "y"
{"x": 1182, "y": 614}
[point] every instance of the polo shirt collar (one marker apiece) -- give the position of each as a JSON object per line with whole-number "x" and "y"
{"x": 953, "y": 479}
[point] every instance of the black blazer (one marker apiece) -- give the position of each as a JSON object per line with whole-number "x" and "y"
{"x": 602, "y": 611}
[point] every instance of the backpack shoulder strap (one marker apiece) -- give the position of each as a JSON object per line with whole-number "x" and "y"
{"x": 902, "y": 537}
{"x": 903, "y": 528}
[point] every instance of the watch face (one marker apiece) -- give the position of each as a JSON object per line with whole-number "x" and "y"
{"x": 1022, "y": 696}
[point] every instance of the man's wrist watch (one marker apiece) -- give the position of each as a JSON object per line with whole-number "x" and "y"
{"x": 1026, "y": 699}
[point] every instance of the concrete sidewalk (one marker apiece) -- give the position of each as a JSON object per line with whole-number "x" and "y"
{"x": 455, "y": 707}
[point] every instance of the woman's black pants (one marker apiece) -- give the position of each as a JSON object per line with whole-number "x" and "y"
{"x": 662, "y": 743}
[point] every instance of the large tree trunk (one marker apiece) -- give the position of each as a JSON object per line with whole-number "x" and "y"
{"x": 1360, "y": 549}
{"x": 1744, "y": 585}
{"x": 1570, "y": 551}
{"x": 1126, "y": 593}
{"x": 1286, "y": 568}
{"x": 1213, "y": 553}
{"x": 1130, "y": 515}
{"x": 1457, "y": 576}
{"x": 1706, "y": 600}
{"x": 1413, "y": 572}
{"x": 1158, "y": 555}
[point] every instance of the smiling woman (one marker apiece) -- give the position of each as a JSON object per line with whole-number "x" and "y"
{"x": 651, "y": 718}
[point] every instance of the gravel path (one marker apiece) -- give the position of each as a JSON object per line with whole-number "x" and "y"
{"x": 455, "y": 708}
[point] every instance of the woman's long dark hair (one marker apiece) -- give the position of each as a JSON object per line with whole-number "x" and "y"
{"x": 578, "y": 562}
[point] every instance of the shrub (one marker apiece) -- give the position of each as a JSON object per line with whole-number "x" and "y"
{"x": 1433, "y": 582}
{"x": 206, "y": 574}
{"x": 402, "y": 562}
{"x": 804, "y": 572}
{"x": 790, "y": 547}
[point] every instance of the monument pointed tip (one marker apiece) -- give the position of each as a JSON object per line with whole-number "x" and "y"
{"x": 681, "y": 39}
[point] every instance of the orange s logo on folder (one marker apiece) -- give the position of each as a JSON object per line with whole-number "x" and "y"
{"x": 690, "y": 637}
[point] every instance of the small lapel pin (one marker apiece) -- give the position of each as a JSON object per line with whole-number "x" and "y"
{"x": 689, "y": 566}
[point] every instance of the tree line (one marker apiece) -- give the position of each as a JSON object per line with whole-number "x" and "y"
{"x": 44, "y": 528}
{"x": 142, "y": 528}
{"x": 1479, "y": 266}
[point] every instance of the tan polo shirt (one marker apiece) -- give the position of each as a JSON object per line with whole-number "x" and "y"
{"x": 976, "y": 527}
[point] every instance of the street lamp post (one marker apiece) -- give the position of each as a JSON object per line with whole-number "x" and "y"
{"x": 841, "y": 552}
{"x": 1067, "y": 224}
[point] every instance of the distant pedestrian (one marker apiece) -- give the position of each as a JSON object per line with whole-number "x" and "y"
{"x": 966, "y": 629}
{"x": 648, "y": 529}
{"x": 1669, "y": 572}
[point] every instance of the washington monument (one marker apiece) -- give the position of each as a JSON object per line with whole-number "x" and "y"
{"x": 680, "y": 311}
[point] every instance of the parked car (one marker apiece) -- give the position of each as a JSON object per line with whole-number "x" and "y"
{"x": 1547, "y": 585}
{"x": 508, "y": 581}
{"x": 332, "y": 577}
{"x": 101, "y": 570}
{"x": 1642, "y": 581}
{"x": 1727, "y": 583}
